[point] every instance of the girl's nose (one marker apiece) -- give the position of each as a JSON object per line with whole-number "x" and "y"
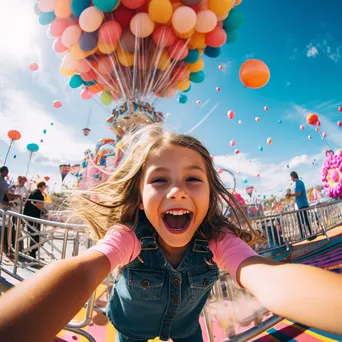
{"x": 177, "y": 193}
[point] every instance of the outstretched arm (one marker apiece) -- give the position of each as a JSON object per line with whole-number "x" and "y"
{"x": 306, "y": 294}
{"x": 51, "y": 297}
{"x": 55, "y": 294}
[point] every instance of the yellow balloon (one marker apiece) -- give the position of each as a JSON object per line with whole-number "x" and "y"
{"x": 220, "y": 7}
{"x": 164, "y": 61}
{"x": 182, "y": 85}
{"x": 107, "y": 48}
{"x": 160, "y": 11}
{"x": 77, "y": 53}
{"x": 197, "y": 41}
{"x": 65, "y": 72}
{"x": 126, "y": 59}
{"x": 238, "y": 2}
{"x": 197, "y": 66}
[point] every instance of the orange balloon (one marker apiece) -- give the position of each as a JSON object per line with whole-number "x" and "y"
{"x": 254, "y": 73}
{"x": 14, "y": 135}
{"x": 312, "y": 119}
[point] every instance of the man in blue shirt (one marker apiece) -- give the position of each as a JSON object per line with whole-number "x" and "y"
{"x": 302, "y": 203}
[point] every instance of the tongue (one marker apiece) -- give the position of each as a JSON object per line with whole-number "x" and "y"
{"x": 176, "y": 221}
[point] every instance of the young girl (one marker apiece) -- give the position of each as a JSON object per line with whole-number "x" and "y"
{"x": 161, "y": 218}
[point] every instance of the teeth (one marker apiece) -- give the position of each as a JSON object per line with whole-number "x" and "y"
{"x": 178, "y": 212}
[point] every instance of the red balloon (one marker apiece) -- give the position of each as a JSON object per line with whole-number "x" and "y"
{"x": 237, "y": 151}
{"x": 339, "y": 123}
{"x": 218, "y": 88}
{"x": 340, "y": 109}
{"x": 231, "y": 114}
{"x": 123, "y": 16}
{"x": 312, "y": 119}
{"x": 33, "y": 66}
{"x": 14, "y": 135}
{"x": 57, "y": 104}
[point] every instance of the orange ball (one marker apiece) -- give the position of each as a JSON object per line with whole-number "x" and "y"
{"x": 254, "y": 73}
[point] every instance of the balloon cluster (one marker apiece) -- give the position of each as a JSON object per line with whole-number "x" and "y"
{"x": 132, "y": 49}
{"x": 332, "y": 174}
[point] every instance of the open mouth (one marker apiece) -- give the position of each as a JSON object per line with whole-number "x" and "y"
{"x": 177, "y": 221}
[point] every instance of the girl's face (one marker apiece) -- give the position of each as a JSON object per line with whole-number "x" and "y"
{"x": 175, "y": 193}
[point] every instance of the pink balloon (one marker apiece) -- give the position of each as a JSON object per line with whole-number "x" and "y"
{"x": 71, "y": 35}
{"x": 237, "y": 151}
{"x": 164, "y": 36}
{"x": 83, "y": 66}
{"x": 301, "y": 127}
{"x": 47, "y": 5}
{"x": 324, "y": 134}
{"x": 339, "y": 123}
{"x": 90, "y": 19}
{"x": 218, "y": 88}
{"x": 105, "y": 65}
{"x": 257, "y": 119}
{"x": 258, "y": 175}
{"x": 86, "y": 95}
{"x": 266, "y": 108}
{"x": 220, "y": 67}
{"x": 110, "y": 32}
{"x": 58, "y": 46}
{"x": 269, "y": 141}
{"x": 33, "y": 66}
{"x": 340, "y": 109}
{"x": 184, "y": 19}
{"x": 231, "y": 114}
{"x": 58, "y": 26}
{"x": 232, "y": 143}
{"x": 310, "y": 137}
{"x": 178, "y": 50}
{"x": 57, "y": 104}
{"x": 142, "y": 25}
{"x": 133, "y": 4}
{"x": 317, "y": 129}
{"x": 198, "y": 102}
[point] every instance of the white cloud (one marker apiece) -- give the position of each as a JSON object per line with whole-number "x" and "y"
{"x": 273, "y": 177}
{"x": 312, "y": 51}
{"x": 21, "y": 112}
{"x": 19, "y": 39}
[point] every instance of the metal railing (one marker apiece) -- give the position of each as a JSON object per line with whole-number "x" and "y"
{"x": 56, "y": 240}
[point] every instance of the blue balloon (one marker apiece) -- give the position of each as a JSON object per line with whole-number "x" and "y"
{"x": 44, "y": 131}
{"x": 212, "y": 52}
{"x": 192, "y": 57}
{"x": 46, "y": 18}
{"x": 261, "y": 148}
{"x": 186, "y": 91}
{"x": 105, "y": 5}
{"x": 15, "y": 156}
{"x": 197, "y": 77}
{"x": 182, "y": 99}
{"x": 279, "y": 121}
{"x": 75, "y": 81}
{"x": 88, "y": 41}
{"x": 245, "y": 181}
{"x": 32, "y": 147}
{"x": 232, "y": 37}
{"x": 234, "y": 20}
{"x": 78, "y": 6}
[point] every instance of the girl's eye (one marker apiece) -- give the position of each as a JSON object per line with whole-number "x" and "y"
{"x": 158, "y": 180}
{"x": 193, "y": 179}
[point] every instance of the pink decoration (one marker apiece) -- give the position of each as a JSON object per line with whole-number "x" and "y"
{"x": 232, "y": 143}
{"x": 332, "y": 174}
{"x": 301, "y": 127}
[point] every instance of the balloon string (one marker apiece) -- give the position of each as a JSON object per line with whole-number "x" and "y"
{"x": 9, "y": 148}
{"x": 28, "y": 165}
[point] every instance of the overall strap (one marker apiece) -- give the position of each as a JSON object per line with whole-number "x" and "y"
{"x": 202, "y": 246}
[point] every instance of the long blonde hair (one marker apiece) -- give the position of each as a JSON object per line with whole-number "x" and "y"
{"x": 117, "y": 200}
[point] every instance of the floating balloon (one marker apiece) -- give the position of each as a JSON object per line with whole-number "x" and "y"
{"x": 237, "y": 151}
{"x": 14, "y": 134}
{"x": 318, "y": 123}
{"x": 32, "y": 147}
{"x": 316, "y": 129}
{"x": 340, "y": 109}
{"x": 339, "y": 123}
{"x": 218, "y": 88}
{"x": 261, "y": 148}
{"x": 220, "y": 67}
{"x": 258, "y": 175}
{"x": 279, "y": 121}
{"x": 45, "y": 131}
{"x": 312, "y": 119}
{"x": 41, "y": 140}
{"x": 86, "y": 95}
{"x": 269, "y": 141}
{"x": 33, "y": 66}
{"x": 51, "y": 124}
{"x": 301, "y": 127}
{"x": 310, "y": 137}
{"x": 231, "y": 114}
{"x": 240, "y": 122}
{"x": 182, "y": 99}
{"x": 266, "y": 108}
{"x": 15, "y": 156}
{"x": 257, "y": 119}
{"x": 198, "y": 102}
{"x": 232, "y": 143}
{"x": 254, "y": 73}
{"x": 57, "y": 104}
{"x": 245, "y": 181}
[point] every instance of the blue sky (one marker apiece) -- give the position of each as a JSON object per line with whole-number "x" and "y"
{"x": 299, "y": 40}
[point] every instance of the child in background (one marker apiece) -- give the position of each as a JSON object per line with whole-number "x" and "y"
{"x": 161, "y": 219}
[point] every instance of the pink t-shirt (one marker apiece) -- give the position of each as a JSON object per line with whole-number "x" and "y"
{"x": 121, "y": 246}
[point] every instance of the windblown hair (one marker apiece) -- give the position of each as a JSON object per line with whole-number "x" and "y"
{"x": 117, "y": 200}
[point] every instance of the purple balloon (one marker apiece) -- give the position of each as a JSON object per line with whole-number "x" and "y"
{"x": 128, "y": 42}
{"x": 88, "y": 41}
{"x": 191, "y": 2}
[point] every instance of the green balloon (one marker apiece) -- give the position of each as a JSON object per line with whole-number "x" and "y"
{"x": 232, "y": 37}
{"x": 234, "y": 20}
{"x": 106, "y": 98}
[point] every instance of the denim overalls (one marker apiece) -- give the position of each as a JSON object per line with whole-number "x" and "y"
{"x": 151, "y": 298}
